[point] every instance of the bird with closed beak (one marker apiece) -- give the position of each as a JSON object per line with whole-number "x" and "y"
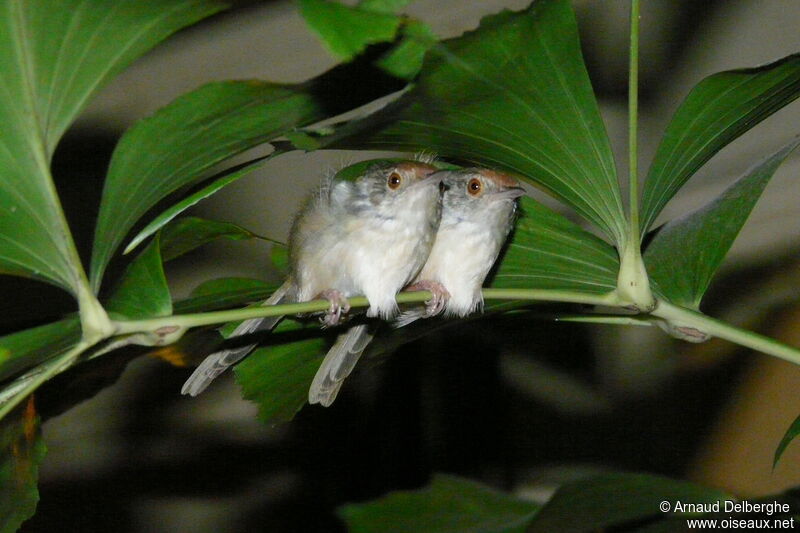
{"x": 477, "y": 215}
{"x": 366, "y": 231}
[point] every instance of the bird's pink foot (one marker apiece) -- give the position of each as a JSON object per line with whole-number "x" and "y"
{"x": 440, "y": 296}
{"x": 339, "y": 307}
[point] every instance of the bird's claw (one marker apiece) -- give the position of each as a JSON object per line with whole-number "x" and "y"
{"x": 439, "y": 296}
{"x": 339, "y": 306}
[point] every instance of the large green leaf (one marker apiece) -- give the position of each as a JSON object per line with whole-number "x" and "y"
{"x": 405, "y": 59}
{"x": 347, "y": 30}
{"x": 142, "y": 292}
{"x": 224, "y": 292}
{"x": 547, "y": 251}
{"x": 186, "y": 234}
{"x": 613, "y": 499}
{"x": 214, "y": 184}
{"x": 53, "y": 58}
{"x": 220, "y": 286}
{"x": 277, "y": 377}
{"x": 718, "y": 110}
{"x": 25, "y": 349}
{"x": 685, "y": 253}
{"x": 174, "y": 147}
{"x": 21, "y": 451}
{"x": 514, "y": 94}
{"x": 448, "y": 505}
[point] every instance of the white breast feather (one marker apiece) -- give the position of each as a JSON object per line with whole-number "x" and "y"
{"x": 362, "y": 255}
{"x": 461, "y": 257}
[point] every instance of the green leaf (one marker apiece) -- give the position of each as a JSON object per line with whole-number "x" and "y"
{"x": 224, "y": 292}
{"x": 72, "y": 48}
{"x": 608, "y": 500}
{"x": 346, "y": 31}
{"x": 142, "y": 291}
{"x": 277, "y": 377}
{"x": 685, "y": 253}
{"x": 791, "y": 433}
{"x": 405, "y": 59}
{"x": 514, "y": 94}
{"x": 21, "y": 452}
{"x": 547, "y": 251}
{"x": 718, "y": 110}
{"x": 383, "y": 6}
{"x": 25, "y": 349}
{"x": 173, "y": 148}
{"x": 186, "y": 234}
{"x": 21, "y": 387}
{"x": 279, "y": 255}
{"x": 448, "y": 504}
{"x": 220, "y": 286}
{"x": 216, "y": 183}
{"x": 53, "y": 58}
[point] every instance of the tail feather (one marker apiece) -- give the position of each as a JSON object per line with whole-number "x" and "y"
{"x": 339, "y": 363}
{"x": 407, "y": 317}
{"x": 216, "y": 363}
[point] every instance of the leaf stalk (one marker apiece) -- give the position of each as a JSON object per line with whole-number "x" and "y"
{"x": 95, "y": 322}
{"x": 633, "y": 116}
{"x": 633, "y": 284}
{"x": 716, "y": 328}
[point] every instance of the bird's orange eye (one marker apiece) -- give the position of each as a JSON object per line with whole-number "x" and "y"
{"x": 394, "y": 180}
{"x": 474, "y": 187}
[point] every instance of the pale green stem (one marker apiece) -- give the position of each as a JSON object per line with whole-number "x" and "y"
{"x": 633, "y": 115}
{"x": 612, "y": 320}
{"x": 716, "y": 328}
{"x": 95, "y": 323}
{"x": 548, "y": 295}
{"x": 591, "y": 318}
{"x": 219, "y": 317}
{"x": 633, "y": 285}
{"x": 676, "y": 316}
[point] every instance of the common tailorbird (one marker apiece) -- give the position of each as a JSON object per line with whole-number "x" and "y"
{"x": 368, "y": 236}
{"x": 477, "y": 215}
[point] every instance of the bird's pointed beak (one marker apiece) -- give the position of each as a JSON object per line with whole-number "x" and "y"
{"x": 438, "y": 177}
{"x": 425, "y": 175}
{"x": 429, "y": 177}
{"x": 510, "y": 193}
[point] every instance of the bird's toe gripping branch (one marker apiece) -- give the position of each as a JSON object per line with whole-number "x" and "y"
{"x": 339, "y": 306}
{"x": 439, "y": 296}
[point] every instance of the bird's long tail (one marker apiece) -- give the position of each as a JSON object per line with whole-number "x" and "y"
{"x": 216, "y": 363}
{"x": 338, "y": 363}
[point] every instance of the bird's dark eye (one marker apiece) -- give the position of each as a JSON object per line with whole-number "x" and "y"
{"x": 474, "y": 187}
{"x": 394, "y": 180}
